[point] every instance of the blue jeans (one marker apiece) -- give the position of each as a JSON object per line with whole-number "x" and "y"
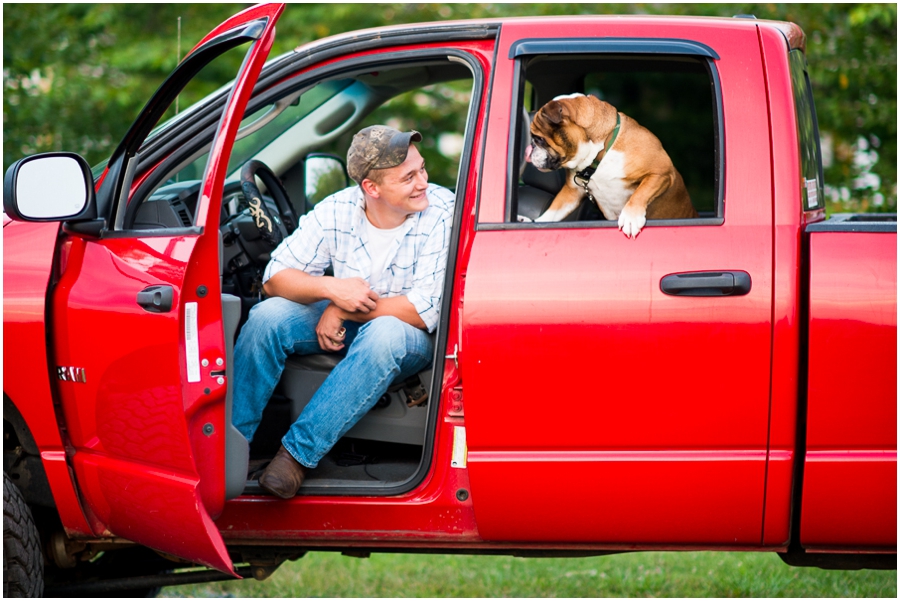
{"x": 377, "y": 353}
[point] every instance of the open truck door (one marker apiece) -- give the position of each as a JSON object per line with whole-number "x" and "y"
{"x": 140, "y": 352}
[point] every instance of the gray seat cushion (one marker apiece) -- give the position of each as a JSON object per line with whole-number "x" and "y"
{"x": 392, "y": 421}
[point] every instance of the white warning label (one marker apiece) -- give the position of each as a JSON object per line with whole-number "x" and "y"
{"x": 458, "y": 459}
{"x": 812, "y": 193}
{"x": 191, "y": 342}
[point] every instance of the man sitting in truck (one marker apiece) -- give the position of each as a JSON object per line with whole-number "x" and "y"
{"x": 386, "y": 240}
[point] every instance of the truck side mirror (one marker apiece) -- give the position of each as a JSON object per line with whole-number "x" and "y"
{"x": 53, "y": 186}
{"x": 323, "y": 174}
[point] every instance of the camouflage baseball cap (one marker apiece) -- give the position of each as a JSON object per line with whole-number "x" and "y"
{"x": 378, "y": 147}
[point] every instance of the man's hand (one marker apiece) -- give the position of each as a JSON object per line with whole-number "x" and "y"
{"x": 352, "y": 294}
{"x": 330, "y": 329}
{"x": 351, "y": 298}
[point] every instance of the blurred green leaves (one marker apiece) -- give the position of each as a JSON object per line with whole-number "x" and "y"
{"x": 439, "y": 112}
{"x": 76, "y": 75}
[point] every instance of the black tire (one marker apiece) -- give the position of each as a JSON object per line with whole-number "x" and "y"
{"x": 23, "y": 563}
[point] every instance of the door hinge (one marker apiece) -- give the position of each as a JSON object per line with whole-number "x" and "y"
{"x": 454, "y": 356}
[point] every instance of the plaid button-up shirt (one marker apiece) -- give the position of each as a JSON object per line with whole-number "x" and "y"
{"x": 334, "y": 233}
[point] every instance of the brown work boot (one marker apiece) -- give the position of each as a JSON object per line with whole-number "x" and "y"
{"x": 284, "y": 475}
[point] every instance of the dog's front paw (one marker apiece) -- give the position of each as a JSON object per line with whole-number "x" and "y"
{"x": 553, "y": 215}
{"x": 631, "y": 220}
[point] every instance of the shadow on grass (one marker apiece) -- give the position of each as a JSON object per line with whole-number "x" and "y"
{"x": 695, "y": 574}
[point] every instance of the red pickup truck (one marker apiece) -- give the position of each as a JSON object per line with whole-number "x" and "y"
{"x": 590, "y": 394}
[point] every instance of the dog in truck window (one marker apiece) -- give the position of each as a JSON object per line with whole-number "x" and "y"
{"x": 610, "y": 158}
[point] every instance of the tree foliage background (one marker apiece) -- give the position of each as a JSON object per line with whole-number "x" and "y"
{"x": 76, "y": 75}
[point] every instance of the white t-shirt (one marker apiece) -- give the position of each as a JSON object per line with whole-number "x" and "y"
{"x": 331, "y": 235}
{"x": 381, "y": 243}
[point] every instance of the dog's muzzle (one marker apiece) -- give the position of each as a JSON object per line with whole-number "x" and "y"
{"x": 543, "y": 160}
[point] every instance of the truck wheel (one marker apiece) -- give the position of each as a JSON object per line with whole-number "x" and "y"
{"x": 23, "y": 563}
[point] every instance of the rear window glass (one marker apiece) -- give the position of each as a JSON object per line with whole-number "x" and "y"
{"x": 811, "y": 178}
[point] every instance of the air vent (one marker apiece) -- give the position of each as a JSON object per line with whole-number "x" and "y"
{"x": 182, "y": 211}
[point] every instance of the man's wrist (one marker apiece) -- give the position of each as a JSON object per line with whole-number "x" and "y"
{"x": 326, "y": 290}
{"x": 340, "y": 313}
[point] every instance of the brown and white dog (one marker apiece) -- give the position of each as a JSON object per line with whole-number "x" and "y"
{"x": 610, "y": 158}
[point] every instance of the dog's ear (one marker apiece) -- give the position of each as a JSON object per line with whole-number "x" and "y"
{"x": 598, "y": 112}
{"x": 555, "y": 112}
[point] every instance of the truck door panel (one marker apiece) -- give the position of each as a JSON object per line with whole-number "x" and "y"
{"x": 610, "y": 411}
{"x": 146, "y": 426}
{"x": 598, "y": 408}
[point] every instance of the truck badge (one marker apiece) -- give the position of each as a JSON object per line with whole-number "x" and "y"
{"x": 71, "y": 374}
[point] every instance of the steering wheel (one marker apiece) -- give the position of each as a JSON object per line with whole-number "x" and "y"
{"x": 272, "y": 228}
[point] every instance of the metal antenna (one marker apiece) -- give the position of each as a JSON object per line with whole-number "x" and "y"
{"x": 178, "y": 60}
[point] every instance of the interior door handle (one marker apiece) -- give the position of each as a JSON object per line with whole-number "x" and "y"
{"x": 706, "y": 283}
{"x": 156, "y": 299}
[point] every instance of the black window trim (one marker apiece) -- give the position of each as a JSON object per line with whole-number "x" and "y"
{"x": 667, "y": 46}
{"x": 649, "y": 48}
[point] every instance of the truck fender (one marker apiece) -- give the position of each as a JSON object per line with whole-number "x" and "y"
{"x": 22, "y": 458}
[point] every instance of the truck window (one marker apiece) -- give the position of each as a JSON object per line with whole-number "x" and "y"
{"x": 676, "y": 98}
{"x": 811, "y": 176}
{"x": 317, "y": 117}
{"x": 247, "y": 146}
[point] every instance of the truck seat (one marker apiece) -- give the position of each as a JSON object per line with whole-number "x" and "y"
{"x": 391, "y": 420}
{"x": 237, "y": 449}
{"x": 538, "y": 190}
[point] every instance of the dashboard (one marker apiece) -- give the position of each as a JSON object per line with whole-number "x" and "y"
{"x": 244, "y": 252}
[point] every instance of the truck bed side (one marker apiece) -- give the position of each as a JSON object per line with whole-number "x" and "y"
{"x": 849, "y": 496}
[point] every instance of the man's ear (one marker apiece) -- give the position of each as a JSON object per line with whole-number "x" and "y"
{"x": 370, "y": 188}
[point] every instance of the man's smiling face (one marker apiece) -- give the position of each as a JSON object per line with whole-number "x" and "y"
{"x": 401, "y": 190}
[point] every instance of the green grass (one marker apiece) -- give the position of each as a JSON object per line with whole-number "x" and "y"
{"x": 696, "y": 574}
